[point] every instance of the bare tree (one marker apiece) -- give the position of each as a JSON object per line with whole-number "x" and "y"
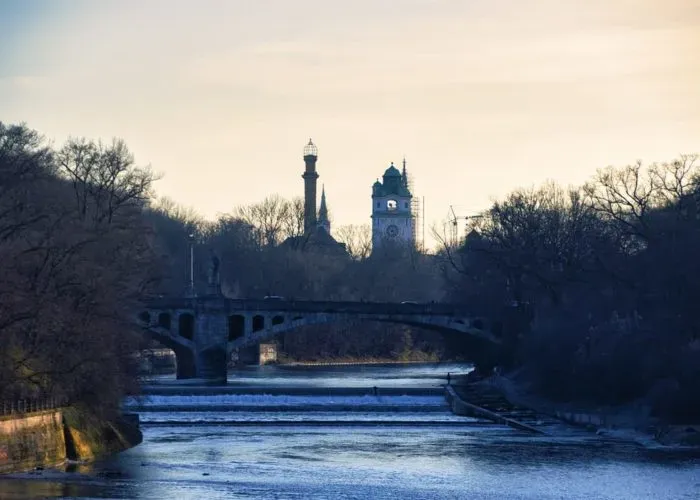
{"x": 270, "y": 218}
{"x": 293, "y": 218}
{"x": 105, "y": 179}
{"x": 357, "y": 239}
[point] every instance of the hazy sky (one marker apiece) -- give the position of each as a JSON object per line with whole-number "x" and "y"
{"x": 481, "y": 96}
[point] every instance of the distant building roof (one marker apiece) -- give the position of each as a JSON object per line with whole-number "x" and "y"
{"x": 317, "y": 240}
{"x": 394, "y": 183}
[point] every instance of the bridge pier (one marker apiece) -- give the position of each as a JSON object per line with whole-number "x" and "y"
{"x": 186, "y": 367}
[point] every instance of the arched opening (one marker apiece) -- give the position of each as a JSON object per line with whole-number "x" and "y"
{"x": 361, "y": 339}
{"x": 158, "y": 356}
{"x": 236, "y": 327}
{"x": 277, "y": 320}
{"x": 145, "y": 317}
{"x": 186, "y": 326}
{"x": 258, "y": 323}
{"x": 164, "y": 320}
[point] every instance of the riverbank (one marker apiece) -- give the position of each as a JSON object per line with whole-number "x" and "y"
{"x": 50, "y": 438}
{"x": 632, "y": 422}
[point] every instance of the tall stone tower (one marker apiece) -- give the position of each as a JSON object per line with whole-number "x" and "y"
{"x": 310, "y": 176}
{"x": 392, "y": 217}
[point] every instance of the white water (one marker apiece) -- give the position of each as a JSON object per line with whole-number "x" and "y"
{"x": 234, "y": 400}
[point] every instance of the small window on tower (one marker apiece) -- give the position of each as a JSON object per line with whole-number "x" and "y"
{"x": 405, "y": 205}
{"x": 378, "y": 205}
{"x": 391, "y": 205}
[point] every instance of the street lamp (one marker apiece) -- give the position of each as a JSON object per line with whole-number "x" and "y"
{"x": 191, "y": 287}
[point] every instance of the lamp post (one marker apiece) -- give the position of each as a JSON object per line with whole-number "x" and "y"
{"x": 191, "y": 287}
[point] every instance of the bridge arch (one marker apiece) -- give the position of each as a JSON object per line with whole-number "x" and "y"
{"x": 236, "y": 326}
{"x": 478, "y": 328}
{"x": 258, "y": 323}
{"x": 164, "y": 320}
{"x": 185, "y": 325}
{"x": 184, "y": 355}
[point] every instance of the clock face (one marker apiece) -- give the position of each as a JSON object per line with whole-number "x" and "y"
{"x": 392, "y": 231}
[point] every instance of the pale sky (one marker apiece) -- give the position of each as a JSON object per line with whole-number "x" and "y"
{"x": 481, "y": 96}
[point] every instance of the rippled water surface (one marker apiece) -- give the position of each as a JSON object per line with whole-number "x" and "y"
{"x": 324, "y": 446}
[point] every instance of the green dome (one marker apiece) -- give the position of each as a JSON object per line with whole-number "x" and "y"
{"x": 392, "y": 171}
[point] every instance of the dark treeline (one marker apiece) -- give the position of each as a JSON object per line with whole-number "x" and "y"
{"x": 592, "y": 289}
{"x": 608, "y": 276}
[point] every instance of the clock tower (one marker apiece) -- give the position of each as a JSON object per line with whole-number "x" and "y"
{"x": 392, "y": 218}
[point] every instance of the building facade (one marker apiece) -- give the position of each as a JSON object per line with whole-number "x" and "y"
{"x": 392, "y": 213}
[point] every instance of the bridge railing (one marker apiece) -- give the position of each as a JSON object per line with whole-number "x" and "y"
{"x": 310, "y": 306}
{"x": 356, "y": 308}
{"x": 25, "y": 406}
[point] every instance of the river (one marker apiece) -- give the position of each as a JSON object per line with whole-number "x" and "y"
{"x": 323, "y": 433}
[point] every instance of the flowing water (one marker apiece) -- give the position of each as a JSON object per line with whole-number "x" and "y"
{"x": 327, "y": 433}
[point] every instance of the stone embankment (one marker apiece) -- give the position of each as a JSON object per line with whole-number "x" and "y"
{"x": 630, "y": 422}
{"x": 460, "y": 406}
{"x": 50, "y": 437}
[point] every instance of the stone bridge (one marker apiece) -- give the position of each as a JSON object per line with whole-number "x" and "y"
{"x": 203, "y": 331}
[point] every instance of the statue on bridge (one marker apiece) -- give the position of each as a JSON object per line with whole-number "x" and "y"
{"x": 214, "y": 280}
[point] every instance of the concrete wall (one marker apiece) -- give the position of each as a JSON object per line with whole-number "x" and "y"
{"x": 32, "y": 440}
{"x": 48, "y": 438}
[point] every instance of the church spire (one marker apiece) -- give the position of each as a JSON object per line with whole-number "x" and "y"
{"x": 323, "y": 220}
{"x": 404, "y": 174}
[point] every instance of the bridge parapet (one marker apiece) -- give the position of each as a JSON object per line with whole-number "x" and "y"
{"x": 238, "y": 305}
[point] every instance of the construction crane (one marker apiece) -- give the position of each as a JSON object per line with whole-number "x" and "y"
{"x": 454, "y": 222}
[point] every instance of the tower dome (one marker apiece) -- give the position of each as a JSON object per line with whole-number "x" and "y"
{"x": 392, "y": 171}
{"x": 310, "y": 149}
